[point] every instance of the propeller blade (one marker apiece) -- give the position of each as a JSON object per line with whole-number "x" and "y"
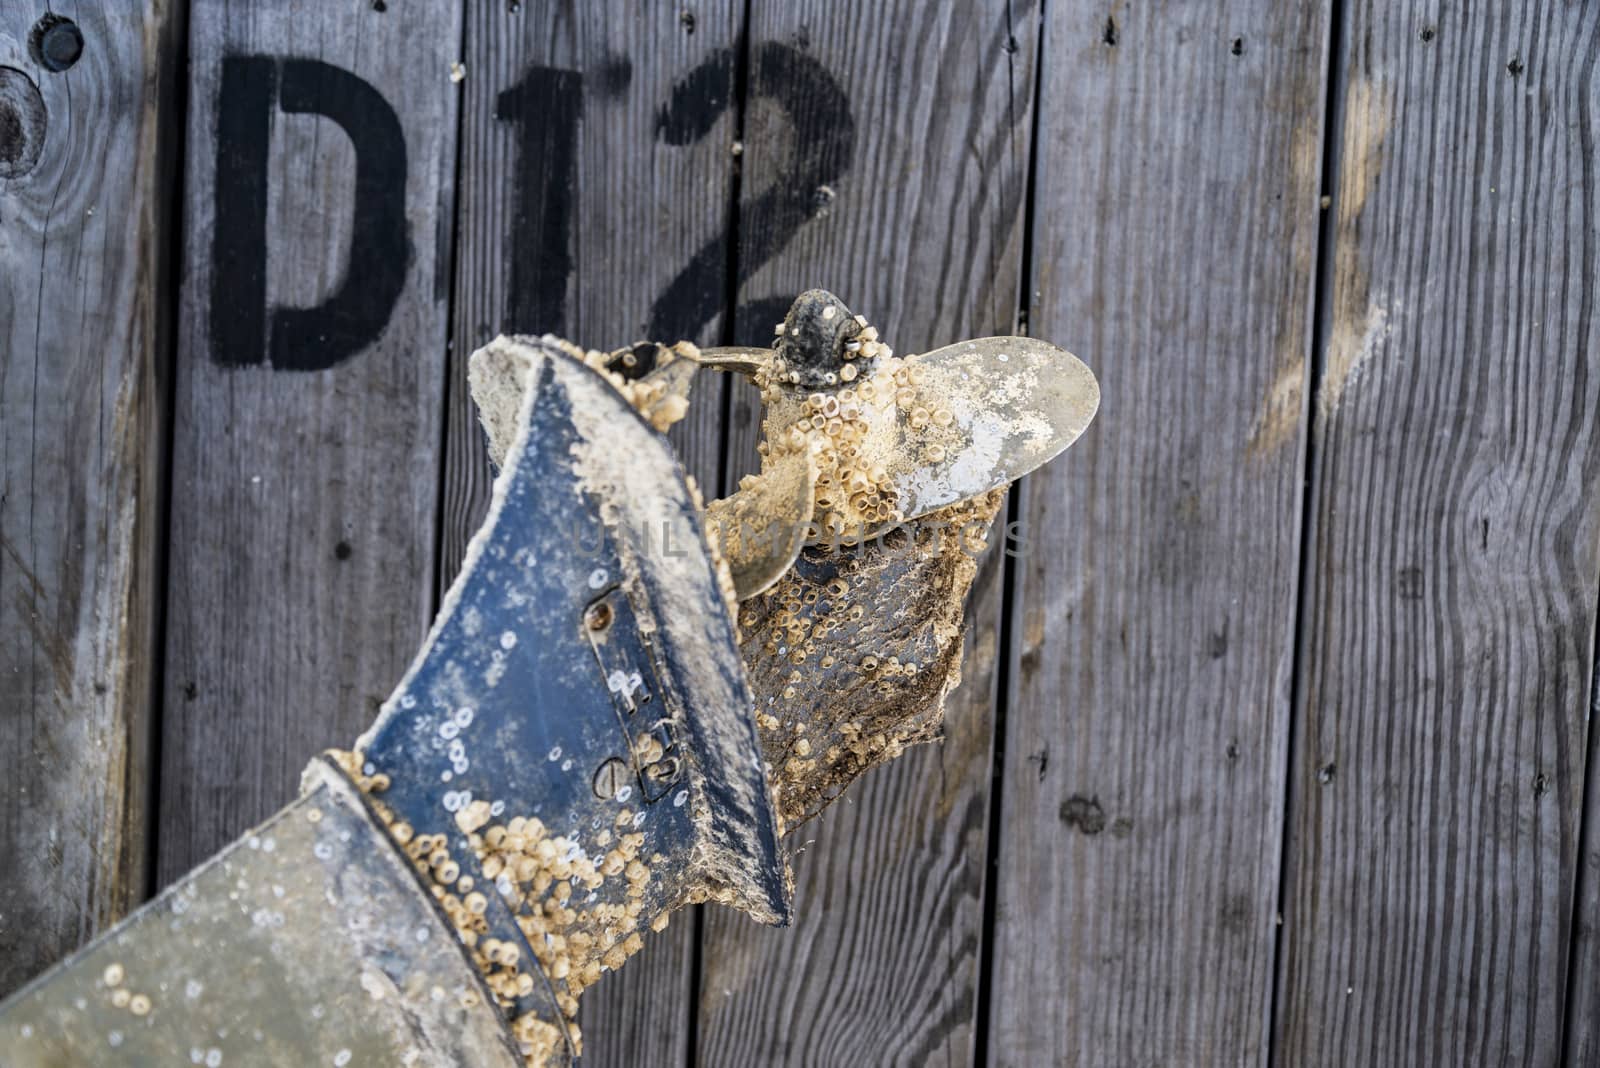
{"x": 762, "y": 527}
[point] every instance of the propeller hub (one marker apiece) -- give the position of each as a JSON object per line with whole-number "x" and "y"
{"x": 820, "y": 345}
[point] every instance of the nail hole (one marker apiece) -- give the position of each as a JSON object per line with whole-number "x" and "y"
{"x": 56, "y": 43}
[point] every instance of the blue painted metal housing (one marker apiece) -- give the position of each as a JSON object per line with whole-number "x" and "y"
{"x": 588, "y": 617}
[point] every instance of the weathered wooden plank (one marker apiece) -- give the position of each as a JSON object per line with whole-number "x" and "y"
{"x": 596, "y": 176}
{"x": 310, "y": 393}
{"x": 586, "y": 212}
{"x": 1582, "y": 1038}
{"x": 87, "y": 152}
{"x": 915, "y": 220}
{"x": 1456, "y": 549}
{"x": 1174, "y": 227}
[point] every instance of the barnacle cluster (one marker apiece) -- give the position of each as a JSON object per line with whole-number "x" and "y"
{"x": 851, "y": 427}
{"x": 549, "y": 883}
{"x": 854, "y": 650}
{"x": 660, "y": 398}
{"x": 854, "y": 490}
{"x": 653, "y": 396}
{"x": 863, "y": 346}
{"x": 115, "y": 978}
{"x": 843, "y": 689}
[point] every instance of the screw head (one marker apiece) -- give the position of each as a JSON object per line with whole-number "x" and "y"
{"x": 610, "y": 778}
{"x": 598, "y": 617}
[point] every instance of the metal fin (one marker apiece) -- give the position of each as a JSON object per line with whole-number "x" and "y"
{"x": 310, "y": 940}
{"x": 586, "y": 631}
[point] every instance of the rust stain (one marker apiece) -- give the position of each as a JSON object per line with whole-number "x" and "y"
{"x": 1360, "y": 322}
{"x": 1350, "y": 353}
{"x": 1369, "y": 116}
{"x": 1305, "y": 146}
{"x": 1279, "y": 419}
{"x": 982, "y": 651}
{"x": 1033, "y": 636}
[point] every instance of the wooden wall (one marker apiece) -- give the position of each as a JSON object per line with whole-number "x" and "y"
{"x": 1274, "y": 743}
{"x": 86, "y": 283}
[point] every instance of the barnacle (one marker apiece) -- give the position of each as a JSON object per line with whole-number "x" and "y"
{"x": 548, "y": 882}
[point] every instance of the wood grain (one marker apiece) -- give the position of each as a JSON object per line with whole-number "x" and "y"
{"x": 1440, "y": 893}
{"x": 1582, "y": 1045}
{"x": 922, "y": 234}
{"x": 1174, "y": 223}
{"x": 611, "y": 226}
{"x": 304, "y": 502}
{"x": 1455, "y": 548}
{"x": 87, "y": 157}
